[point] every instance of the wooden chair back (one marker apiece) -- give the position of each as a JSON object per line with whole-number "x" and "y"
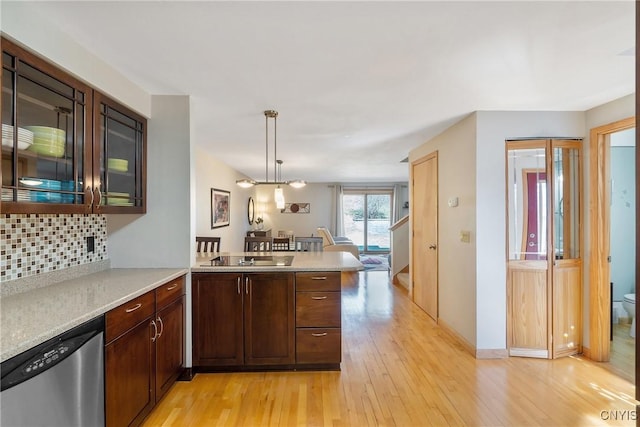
{"x": 258, "y": 244}
{"x": 308, "y": 244}
{"x": 281, "y": 243}
{"x": 207, "y": 244}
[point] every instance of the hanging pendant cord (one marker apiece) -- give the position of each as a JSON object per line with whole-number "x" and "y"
{"x": 266, "y": 154}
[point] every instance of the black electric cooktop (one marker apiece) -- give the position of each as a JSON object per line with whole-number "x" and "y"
{"x": 252, "y": 260}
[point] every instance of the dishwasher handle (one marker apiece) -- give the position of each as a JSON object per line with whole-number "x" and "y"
{"x": 45, "y": 356}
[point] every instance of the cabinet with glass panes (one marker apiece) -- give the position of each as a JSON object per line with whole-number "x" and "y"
{"x": 60, "y": 151}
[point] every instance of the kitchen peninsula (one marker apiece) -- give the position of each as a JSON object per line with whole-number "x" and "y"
{"x": 259, "y": 311}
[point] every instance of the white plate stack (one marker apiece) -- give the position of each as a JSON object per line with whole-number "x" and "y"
{"x": 23, "y": 195}
{"x": 25, "y": 137}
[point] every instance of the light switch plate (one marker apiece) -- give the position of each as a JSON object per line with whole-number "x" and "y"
{"x": 465, "y": 236}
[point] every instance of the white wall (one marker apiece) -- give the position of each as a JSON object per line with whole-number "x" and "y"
{"x": 456, "y": 260}
{"x": 494, "y": 128}
{"x": 623, "y": 221}
{"x": 212, "y": 173}
{"x": 161, "y": 237}
{"x": 23, "y": 23}
{"x": 319, "y": 196}
{"x": 623, "y": 213}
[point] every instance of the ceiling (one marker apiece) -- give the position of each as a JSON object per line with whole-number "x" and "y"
{"x": 357, "y": 84}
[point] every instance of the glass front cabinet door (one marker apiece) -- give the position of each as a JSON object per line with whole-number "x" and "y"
{"x": 66, "y": 148}
{"x": 119, "y": 161}
{"x": 46, "y": 130}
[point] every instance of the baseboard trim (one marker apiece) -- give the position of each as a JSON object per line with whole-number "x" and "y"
{"x": 470, "y": 348}
{"x": 492, "y": 353}
{"x": 527, "y": 352}
{"x": 483, "y": 353}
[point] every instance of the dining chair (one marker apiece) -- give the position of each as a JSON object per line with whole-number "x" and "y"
{"x": 308, "y": 244}
{"x": 258, "y": 244}
{"x": 281, "y": 243}
{"x": 207, "y": 244}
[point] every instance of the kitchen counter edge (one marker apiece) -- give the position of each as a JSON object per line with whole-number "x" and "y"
{"x": 70, "y": 303}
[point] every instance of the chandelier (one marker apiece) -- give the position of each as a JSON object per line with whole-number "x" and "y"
{"x": 277, "y": 164}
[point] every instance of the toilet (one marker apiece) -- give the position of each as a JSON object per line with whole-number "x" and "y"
{"x": 629, "y": 304}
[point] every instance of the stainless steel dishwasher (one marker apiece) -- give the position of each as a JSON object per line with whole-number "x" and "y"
{"x": 57, "y": 383}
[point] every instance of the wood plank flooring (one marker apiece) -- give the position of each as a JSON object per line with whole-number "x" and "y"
{"x": 400, "y": 369}
{"x": 623, "y": 351}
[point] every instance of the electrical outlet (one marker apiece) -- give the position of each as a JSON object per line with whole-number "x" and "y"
{"x": 91, "y": 244}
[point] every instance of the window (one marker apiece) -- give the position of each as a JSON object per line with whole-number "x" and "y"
{"x": 367, "y": 215}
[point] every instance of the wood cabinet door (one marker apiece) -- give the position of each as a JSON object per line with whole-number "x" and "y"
{"x": 169, "y": 346}
{"x": 129, "y": 376}
{"x": 119, "y": 157}
{"x": 269, "y": 318}
{"x": 217, "y": 319}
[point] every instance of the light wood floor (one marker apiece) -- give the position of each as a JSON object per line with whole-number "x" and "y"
{"x": 400, "y": 369}
{"x": 623, "y": 352}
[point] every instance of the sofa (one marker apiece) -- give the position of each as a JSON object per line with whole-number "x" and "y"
{"x": 337, "y": 244}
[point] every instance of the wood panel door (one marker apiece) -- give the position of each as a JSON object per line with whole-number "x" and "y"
{"x": 527, "y": 310}
{"x": 567, "y": 308}
{"x": 544, "y": 241}
{"x": 269, "y": 319}
{"x": 528, "y": 270}
{"x": 425, "y": 234}
{"x": 217, "y": 319}
{"x": 129, "y": 376}
{"x": 169, "y": 346}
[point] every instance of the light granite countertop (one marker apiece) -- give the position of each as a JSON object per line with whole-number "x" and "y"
{"x": 44, "y": 310}
{"x": 30, "y": 318}
{"x": 302, "y": 261}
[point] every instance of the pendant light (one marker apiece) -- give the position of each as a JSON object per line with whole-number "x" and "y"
{"x": 278, "y": 194}
{"x": 277, "y": 166}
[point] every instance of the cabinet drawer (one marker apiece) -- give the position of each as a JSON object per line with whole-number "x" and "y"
{"x": 318, "y": 345}
{"x": 318, "y": 281}
{"x": 123, "y": 318}
{"x": 169, "y": 292}
{"x": 318, "y": 309}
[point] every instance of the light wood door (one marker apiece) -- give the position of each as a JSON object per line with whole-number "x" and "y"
{"x": 425, "y": 234}
{"x": 544, "y": 279}
{"x": 528, "y": 281}
{"x": 567, "y": 307}
{"x": 528, "y": 314}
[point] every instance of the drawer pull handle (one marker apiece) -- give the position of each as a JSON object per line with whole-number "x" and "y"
{"x": 319, "y": 278}
{"x": 323, "y": 297}
{"x": 324, "y": 334}
{"x": 134, "y": 308}
{"x": 172, "y": 287}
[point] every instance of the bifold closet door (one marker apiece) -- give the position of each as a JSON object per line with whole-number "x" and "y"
{"x": 528, "y": 282}
{"x": 567, "y": 262}
{"x": 544, "y": 237}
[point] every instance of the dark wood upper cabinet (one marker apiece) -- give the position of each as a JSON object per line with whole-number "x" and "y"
{"x": 119, "y": 157}
{"x": 66, "y": 148}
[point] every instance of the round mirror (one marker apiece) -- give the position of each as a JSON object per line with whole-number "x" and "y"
{"x": 250, "y": 211}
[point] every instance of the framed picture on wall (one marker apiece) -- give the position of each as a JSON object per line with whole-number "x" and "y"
{"x": 220, "y": 208}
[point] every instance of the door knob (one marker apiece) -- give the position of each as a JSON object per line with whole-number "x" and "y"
{"x": 432, "y": 247}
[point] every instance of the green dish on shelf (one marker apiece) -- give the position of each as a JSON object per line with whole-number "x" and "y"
{"x": 47, "y": 149}
{"x": 119, "y": 165}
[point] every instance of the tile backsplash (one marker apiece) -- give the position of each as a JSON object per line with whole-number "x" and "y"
{"x": 32, "y": 244}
